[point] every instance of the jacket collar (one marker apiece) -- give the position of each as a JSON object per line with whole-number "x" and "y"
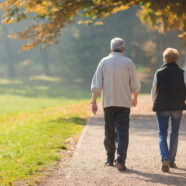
{"x": 116, "y": 54}
{"x": 173, "y": 64}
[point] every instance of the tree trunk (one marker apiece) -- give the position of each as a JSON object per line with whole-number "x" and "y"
{"x": 45, "y": 61}
{"x": 8, "y": 54}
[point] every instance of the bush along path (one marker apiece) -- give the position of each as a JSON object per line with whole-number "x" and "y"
{"x": 86, "y": 167}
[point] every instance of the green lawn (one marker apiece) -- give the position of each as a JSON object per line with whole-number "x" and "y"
{"x": 18, "y": 96}
{"x": 15, "y": 103}
{"x": 36, "y": 119}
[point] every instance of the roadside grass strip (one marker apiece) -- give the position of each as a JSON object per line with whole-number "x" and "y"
{"x": 32, "y": 141}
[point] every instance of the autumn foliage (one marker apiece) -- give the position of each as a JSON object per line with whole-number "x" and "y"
{"x": 52, "y": 15}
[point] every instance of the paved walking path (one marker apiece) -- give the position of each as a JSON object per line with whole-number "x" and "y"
{"x": 143, "y": 162}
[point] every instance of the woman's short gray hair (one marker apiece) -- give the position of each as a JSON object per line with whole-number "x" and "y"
{"x": 117, "y": 44}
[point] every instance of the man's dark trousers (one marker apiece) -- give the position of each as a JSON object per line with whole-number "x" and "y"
{"x": 116, "y": 130}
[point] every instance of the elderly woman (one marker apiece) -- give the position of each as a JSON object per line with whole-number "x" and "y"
{"x": 169, "y": 94}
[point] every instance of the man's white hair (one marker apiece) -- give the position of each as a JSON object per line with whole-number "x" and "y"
{"x": 117, "y": 44}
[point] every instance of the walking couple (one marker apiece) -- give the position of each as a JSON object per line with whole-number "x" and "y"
{"x": 116, "y": 78}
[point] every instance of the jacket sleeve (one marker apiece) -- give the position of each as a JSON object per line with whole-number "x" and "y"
{"x": 134, "y": 80}
{"x": 154, "y": 87}
{"x": 97, "y": 80}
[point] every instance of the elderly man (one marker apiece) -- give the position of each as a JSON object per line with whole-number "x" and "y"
{"x": 117, "y": 78}
{"x": 168, "y": 94}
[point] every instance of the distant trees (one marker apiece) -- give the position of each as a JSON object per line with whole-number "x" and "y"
{"x": 52, "y": 15}
{"x": 80, "y": 48}
{"x": 14, "y": 64}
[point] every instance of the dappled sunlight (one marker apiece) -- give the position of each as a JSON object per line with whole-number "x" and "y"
{"x": 45, "y": 78}
{"x": 44, "y": 88}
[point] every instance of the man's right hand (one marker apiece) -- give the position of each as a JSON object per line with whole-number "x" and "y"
{"x": 134, "y": 102}
{"x": 94, "y": 108}
{"x": 135, "y": 99}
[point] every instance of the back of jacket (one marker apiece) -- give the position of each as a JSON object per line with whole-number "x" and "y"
{"x": 171, "y": 90}
{"x": 117, "y": 78}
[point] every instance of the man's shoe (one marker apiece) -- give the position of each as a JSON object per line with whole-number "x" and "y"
{"x": 172, "y": 164}
{"x": 165, "y": 166}
{"x": 121, "y": 167}
{"x": 109, "y": 163}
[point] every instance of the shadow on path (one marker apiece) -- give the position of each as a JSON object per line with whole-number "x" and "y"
{"x": 142, "y": 124}
{"x": 147, "y": 124}
{"x": 167, "y": 179}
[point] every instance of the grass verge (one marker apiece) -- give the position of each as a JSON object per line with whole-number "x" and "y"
{"x": 32, "y": 140}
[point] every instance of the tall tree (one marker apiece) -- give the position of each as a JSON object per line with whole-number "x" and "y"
{"x": 53, "y": 15}
{"x": 10, "y": 61}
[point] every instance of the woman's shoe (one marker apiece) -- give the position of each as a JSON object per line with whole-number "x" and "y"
{"x": 172, "y": 164}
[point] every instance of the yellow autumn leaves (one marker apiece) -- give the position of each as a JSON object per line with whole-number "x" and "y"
{"x": 55, "y": 14}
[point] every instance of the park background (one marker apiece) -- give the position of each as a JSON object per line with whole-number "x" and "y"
{"x": 74, "y": 59}
{"x": 45, "y": 92}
